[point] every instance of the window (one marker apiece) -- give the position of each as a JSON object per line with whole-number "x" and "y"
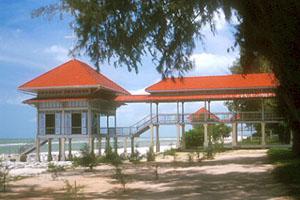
{"x": 76, "y": 123}
{"x": 50, "y": 124}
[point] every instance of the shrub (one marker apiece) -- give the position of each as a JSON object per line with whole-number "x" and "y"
{"x": 87, "y": 158}
{"x": 23, "y": 158}
{"x": 4, "y": 176}
{"x": 72, "y": 192}
{"x": 55, "y": 169}
{"x": 135, "y": 157}
{"x": 120, "y": 177}
{"x": 150, "y": 155}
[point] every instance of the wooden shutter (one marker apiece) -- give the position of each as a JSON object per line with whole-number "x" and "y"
{"x": 58, "y": 123}
{"x": 84, "y": 123}
{"x": 42, "y": 123}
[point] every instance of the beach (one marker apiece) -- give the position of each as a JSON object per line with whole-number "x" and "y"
{"x": 234, "y": 174}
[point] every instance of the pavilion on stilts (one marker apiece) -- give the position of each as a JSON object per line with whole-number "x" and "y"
{"x": 71, "y": 99}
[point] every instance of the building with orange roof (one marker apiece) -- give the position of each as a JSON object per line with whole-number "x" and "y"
{"x": 71, "y": 98}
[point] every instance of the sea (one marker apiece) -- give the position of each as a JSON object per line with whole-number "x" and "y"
{"x": 17, "y": 146}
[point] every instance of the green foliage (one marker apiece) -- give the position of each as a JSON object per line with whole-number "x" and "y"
{"x": 135, "y": 157}
{"x": 55, "y": 169}
{"x": 120, "y": 177}
{"x": 195, "y": 137}
{"x": 87, "y": 158}
{"x": 4, "y": 176}
{"x": 72, "y": 192}
{"x": 287, "y": 168}
{"x": 150, "y": 154}
{"x": 23, "y": 158}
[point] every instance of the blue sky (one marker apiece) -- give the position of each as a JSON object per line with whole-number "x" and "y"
{"x": 31, "y": 46}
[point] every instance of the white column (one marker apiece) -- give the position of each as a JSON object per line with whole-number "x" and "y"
{"x": 234, "y": 134}
{"x": 132, "y": 145}
{"x": 99, "y": 145}
{"x": 107, "y": 135}
{"x": 178, "y": 136}
{"x": 205, "y": 144}
{"x": 151, "y": 135}
{"x": 182, "y": 126}
{"x": 178, "y": 127}
{"x": 125, "y": 145}
{"x": 157, "y": 130}
{"x": 37, "y": 154}
{"x": 49, "y": 150}
{"x": 63, "y": 122}
{"x": 115, "y": 134}
{"x": 63, "y": 156}
{"x": 91, "y": 144}
{"x": 263, "y": 133}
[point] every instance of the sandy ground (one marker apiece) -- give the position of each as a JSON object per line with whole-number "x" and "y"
{"x": 238, "y": 174}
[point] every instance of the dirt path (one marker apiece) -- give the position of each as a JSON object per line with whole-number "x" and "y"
{"x": 239, "y": 174}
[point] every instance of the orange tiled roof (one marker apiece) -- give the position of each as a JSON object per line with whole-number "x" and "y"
{"x": 201, "y": 97}
{"x": 196, "y": 115}
{"x": 73, "y": 73}
{"x": 225, "y": 82}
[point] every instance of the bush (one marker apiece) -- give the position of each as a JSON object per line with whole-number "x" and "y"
{"x": 150, "y": 155}
{"x": 194, "y": 137}
{"x": 136, "y": 156}
{"x": 287, "y": 169}
{"x": 87, "y": 159}
{"x": 120, "y": 177}
{"x": 23, "y": 158}
{"x": 55, "y": 169}
{"x": 4, "y": 176}
{"x": 72, "y": 192}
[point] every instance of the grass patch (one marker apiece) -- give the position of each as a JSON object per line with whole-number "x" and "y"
{"x": 287, "y": 169}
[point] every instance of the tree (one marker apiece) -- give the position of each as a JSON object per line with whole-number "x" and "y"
{"x": 126, "y": 30}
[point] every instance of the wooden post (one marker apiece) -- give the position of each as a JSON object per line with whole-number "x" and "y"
{"x": 91, "y": 144}
{"x": 70, "y": 149}
{"x": 49, "y": 150}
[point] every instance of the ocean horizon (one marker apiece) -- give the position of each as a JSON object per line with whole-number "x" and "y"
{"x": 17, "y": 145}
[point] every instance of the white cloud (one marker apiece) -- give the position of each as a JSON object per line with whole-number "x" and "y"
{"x": 212, "y": 64}
{"x": 138, "y": 91}
{"x": 60, "y": 53}
{"x": 16, "y": 99}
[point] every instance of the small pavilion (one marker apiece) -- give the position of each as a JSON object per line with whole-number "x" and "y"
{"x": 71, "y": 98}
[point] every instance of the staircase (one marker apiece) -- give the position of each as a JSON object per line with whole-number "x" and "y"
{"x": 33, "y": 147}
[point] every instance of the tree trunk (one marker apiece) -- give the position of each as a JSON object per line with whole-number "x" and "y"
{"x": 296, "y": 139}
